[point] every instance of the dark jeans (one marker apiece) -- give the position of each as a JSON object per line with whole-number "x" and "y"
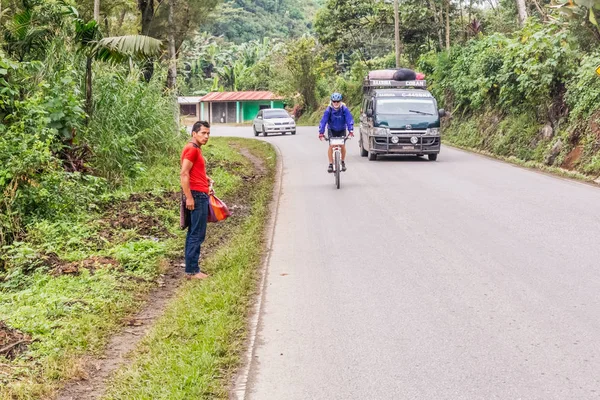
{"x": 196, "y": 232}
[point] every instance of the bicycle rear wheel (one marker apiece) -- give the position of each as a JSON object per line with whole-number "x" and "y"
{"x": 338, "y": 169}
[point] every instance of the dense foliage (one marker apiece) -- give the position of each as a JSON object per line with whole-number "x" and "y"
{"x": 531, "y": 93}
{"x": 56, "y": 159}
{"x": 241, "y": 21}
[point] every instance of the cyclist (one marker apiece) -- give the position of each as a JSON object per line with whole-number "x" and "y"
{"x": 337, "y": 117}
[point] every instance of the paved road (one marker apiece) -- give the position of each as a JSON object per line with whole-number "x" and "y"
{"x": 464, "y": 278}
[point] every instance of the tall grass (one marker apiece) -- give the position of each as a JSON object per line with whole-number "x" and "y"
{"x": 132, "y": 125}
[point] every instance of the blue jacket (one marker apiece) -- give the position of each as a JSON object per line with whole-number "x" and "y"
{"x": 337, "y": 120}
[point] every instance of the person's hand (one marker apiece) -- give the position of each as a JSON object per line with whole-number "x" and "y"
{"x": 321, "y": 137}
{"x": 211, "y": 191}
{"x": 189, "y": 203}
{"x": 350, "y": 134}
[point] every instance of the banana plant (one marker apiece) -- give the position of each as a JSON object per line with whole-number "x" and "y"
{"x": 111, "y": 49}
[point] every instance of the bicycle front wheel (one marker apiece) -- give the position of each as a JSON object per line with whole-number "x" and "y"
{"x": 338, "y": 168}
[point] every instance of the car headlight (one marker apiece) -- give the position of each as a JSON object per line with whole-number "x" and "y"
{"x": 433, "y": 131}
{"x": 269, "y": 123}
{"x": 381, "y": 131}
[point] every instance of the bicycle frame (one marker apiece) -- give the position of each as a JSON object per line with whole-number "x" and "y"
{"x": 336, "y": 144}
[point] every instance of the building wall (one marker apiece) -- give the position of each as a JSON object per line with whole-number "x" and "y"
{"x": 205, "y": 111}
{"x": 187, "y": 109}
{"x": 231, "y": 113}
{"x": 251, "y": 108}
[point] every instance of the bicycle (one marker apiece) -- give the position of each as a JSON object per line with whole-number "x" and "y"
{"x": 336, "y": 144}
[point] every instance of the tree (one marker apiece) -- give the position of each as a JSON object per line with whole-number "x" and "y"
{"x": 116, "y": 17}
{"x": 447, "y": 24}
{"x": 97, "y": 10}
{"x": 303, "y": 60}
{"x": 186, "y": 18}
{"x": 522, "y": 12}
{"x": 362, "y": 26}
{"x": 241, "y": 21}
{"x": 438, "y": 18}
{"x": 112, "y": 49}
{"x": 209, "y": 62}
{"x": 397, "y": 33}
{"x": 172, "y": 73}
{"x": 146, "y": 8}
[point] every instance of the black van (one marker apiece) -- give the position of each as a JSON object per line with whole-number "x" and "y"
{"x": 399, "y": 117}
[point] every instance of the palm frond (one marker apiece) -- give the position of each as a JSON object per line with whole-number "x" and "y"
{"x": 119, "y": 48}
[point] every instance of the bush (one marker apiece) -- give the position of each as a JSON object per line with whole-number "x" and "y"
{"x": 535, "y": 65}
{"x": 25, "y": 141}
{"x": 583, "y": 89}
{"x": 509, "y": 73}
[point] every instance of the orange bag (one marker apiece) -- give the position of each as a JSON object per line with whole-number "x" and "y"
{"x": 217, "y": 210}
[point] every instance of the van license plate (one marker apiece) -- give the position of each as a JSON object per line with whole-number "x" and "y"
{"x": 408, "y": 147}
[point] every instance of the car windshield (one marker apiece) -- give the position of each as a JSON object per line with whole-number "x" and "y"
{"x": 275, "y": 114}
{"x": 396, "y": 106}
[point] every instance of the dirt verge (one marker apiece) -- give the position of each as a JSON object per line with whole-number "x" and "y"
{"x": 97, "y": 370}
{"x": 12, "y": 342}
{"x": 135, "y": 213}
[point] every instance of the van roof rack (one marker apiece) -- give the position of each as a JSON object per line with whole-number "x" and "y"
{"x": 387, "y": 84}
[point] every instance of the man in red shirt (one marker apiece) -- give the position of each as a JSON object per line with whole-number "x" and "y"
{"x": 196, "y": 186}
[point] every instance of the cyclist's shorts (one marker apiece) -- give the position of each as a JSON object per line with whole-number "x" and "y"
{"x": 333, "y": 133}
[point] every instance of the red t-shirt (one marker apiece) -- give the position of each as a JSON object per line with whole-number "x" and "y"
{"x": 198, "y": 178}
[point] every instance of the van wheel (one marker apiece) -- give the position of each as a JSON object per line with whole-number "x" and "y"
{"x": 372, "y": 156}
{"x": 264, "y": 132}
{"x": 255, "y": 131}
{"x": 432, "y": 157}
{"x": 363, "y": 152}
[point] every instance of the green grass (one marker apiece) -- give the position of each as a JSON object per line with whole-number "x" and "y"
{"x": 70, "y": 316}
{"x": 193, "y": 350}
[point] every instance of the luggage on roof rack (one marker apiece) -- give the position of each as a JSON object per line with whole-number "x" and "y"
{"x": 398, "y": 74}
{"x": 394, "y": 78}
{"x": 391, "y": 84}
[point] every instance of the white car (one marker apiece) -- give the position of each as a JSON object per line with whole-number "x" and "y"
{"x": 273, "y": 120}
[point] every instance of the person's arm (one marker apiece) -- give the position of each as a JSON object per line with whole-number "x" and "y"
{"x": 349, "y": 120}
{"x": 184, "y": 175}
{"x": 210, "y": 185}
{"x": 324, "y": 121}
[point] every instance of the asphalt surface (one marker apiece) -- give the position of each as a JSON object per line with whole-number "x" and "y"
{"x": 464, "y": 278}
